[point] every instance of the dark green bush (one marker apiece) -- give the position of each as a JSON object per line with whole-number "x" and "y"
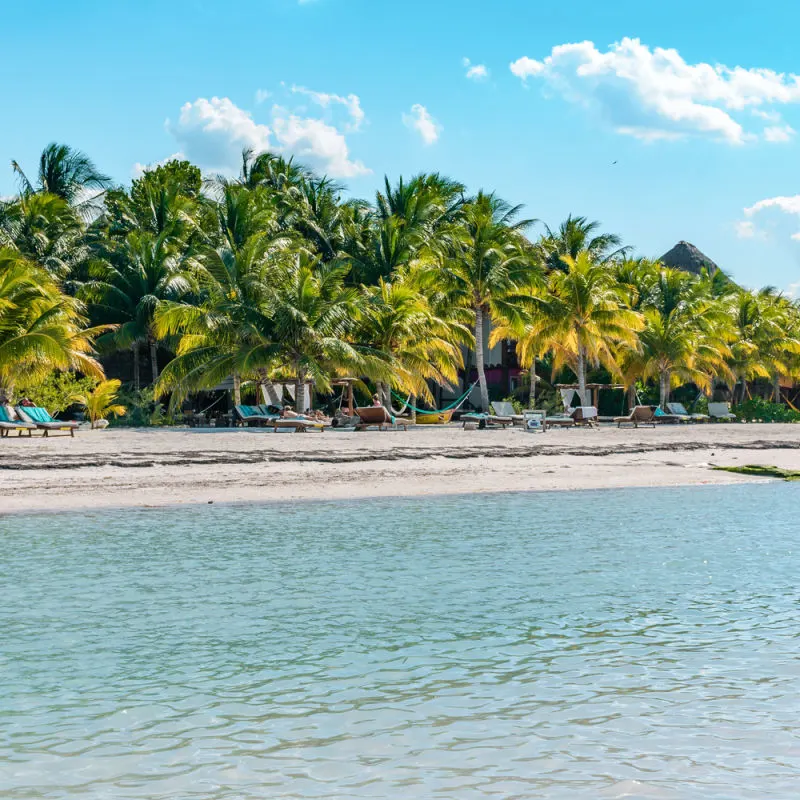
{"x": 759, "y": 410}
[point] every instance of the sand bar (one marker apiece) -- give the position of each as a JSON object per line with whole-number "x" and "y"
{"x": 157, "y": 467}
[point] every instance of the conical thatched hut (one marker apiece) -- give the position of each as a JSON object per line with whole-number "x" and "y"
{"x": 687, "y": 257}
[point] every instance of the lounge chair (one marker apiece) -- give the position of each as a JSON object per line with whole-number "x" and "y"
{"x": 721, "y": 412}
{"x": 485, "y": 420}
{"x": 679, "y": 410}
{"x": 505, "y": 409}
{"x": 10, "y": 421}
{"x": 662, "y": 418}
{"x": 640, "y": 415}
{"x": 585, "y": 415}
{"x": 43, "y": 421}
{"x": 560, "y": 421}
{"x": 298, "y": 424}
{"x": 254, "y": 415}
{"x": 378, "y": 416}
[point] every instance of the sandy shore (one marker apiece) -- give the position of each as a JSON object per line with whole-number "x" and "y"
{"x": 156, "y": 467}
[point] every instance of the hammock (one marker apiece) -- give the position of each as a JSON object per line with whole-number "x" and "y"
{"x": 452, "y": 407}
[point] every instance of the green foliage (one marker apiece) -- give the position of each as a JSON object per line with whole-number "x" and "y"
{"x": 142, "y": 410}
{"x": 759, "y": 410}
{"x": 101, "y": 401}
{"x": 56, "y": 391}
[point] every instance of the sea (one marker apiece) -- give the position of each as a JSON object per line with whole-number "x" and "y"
{"x": 640, "y": 643}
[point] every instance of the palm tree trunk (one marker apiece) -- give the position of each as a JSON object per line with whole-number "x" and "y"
{"x": 664, "y": 391}
{"x": 154, "y": 360}
{"x": 532, "y": 391}
{"x": 237, "y": 389}
{"x": 299, "y": 394}
{"x": 582, "y": 374}
{"x": 776, "y": 389}
{"x": 479, "y": 357}
{"x": 137, "y": 382}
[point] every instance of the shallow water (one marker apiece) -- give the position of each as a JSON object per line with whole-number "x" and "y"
{"x": 639, "y": 643}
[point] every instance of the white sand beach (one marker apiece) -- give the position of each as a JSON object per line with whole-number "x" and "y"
{"x": 157, "y": 467}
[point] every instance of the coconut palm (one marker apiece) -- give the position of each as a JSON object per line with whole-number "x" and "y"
{"x": 66, "y": 173}
{"x": 100, "y": 402}
{"x": 127, "y": 289}
{"x": 485, "y": 266}
{"x": 582, "y": 314}
{"x": 314, "y": 314}
{"x": 41, "y": 329}
{"x": 418, "y": 343}
{"x": 578, "y": 235}
{"x": 44, "y": 228}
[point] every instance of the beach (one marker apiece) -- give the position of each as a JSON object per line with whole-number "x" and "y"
{"x": 173, "y": 466}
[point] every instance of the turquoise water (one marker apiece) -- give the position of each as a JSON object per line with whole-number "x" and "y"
{"x": 595, "y": 645}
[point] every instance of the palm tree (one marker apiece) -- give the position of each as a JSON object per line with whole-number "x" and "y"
{"x": 45, "y": 229}
{"x": 101, "y": 401}
{"x": 485, "y": 266}
{"x": 126, "y": 291}
{"x": 583, "y": 316}
{"x": 65, "y": 172}
{"x": 314, "y": 314}
{"x": 577, "y": 235}
{"x": 41, "y": 329}
{"x": 405, "y": 329}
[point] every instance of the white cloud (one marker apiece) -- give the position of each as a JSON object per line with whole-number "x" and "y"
{"x": 262, "y": 95}
{"x": 745, "y": 229}
{"x": 654, "y": 94}
{"x": 778, "y": 133}
{"x": 423, "y": 123}
{"x": 793, "y": 290}
{"x": 789, "y": 205}
{"x": 352, "y": 103}
{"x": 315, "y": 142}
{"x": 475, "y": 72}
{"x": 139, "y": 169}
{"x": 214, "y": 132}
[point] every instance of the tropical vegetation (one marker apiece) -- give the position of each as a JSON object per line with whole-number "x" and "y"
{"x": 179, "y": 282}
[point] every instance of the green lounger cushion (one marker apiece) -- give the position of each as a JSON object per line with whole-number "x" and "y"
{"x": 38, "y": 414}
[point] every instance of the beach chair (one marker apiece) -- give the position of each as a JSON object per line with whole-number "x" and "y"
{"x": 486, "y": 420}
{"x": 585, "y": 415}
{"x": 378, "y": 417}
{"x": 679, "y": 410}
{"x": 297, "y": 424}
{"x": 254, "y": 415}
{"x": 639, "y": 415}
{"x": 505, "y": 409}
{"x": 662, "y": 418}
{"x": 43, "y": 421}
{"x": 721, "y": 412}
{"x": 10, "y": 421}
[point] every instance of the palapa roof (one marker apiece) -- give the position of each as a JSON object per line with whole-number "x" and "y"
{"x": 687, "y": 257}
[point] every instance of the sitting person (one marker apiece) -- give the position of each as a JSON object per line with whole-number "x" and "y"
{"x": 376, "y": 400}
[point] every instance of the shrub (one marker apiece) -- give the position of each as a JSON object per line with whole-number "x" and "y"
{"x": 56, "y": 391}
{"x": 760, "y": 410}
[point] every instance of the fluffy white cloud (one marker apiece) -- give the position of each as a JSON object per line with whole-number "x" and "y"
{"x": 213, "y": 133}
{"x": 789, "y": 205}
{"x": 352, "y": 104}
{"x": 315, "y": 142}
{"x": 778, "y": 133}
{"x": 745, "y": 229}
{"x": 423, "y": 123}
{"x": 652, "y": 94}
{"x": 475, "y": 72}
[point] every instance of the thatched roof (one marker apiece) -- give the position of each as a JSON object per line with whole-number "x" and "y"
{"x": 687, "y": 257}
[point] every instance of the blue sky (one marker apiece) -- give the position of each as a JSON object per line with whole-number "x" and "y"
{"x": 703, "y": 135}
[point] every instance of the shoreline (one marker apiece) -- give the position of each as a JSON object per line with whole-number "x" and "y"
{"x": 160, "y": 468}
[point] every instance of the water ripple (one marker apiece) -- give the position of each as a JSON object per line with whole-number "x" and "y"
{"x": 626, "y": 644}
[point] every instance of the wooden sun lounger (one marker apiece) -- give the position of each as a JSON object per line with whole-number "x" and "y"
{"x": 43, "y": 421}
{"x": 486, "y": 420}
{"x": 640, "y": 415}
{"x": 721, "y": 412}
{"x": 10, "y": 421}
{"x": 505, "y": 409}
{"x": 298, "y": 424}
{"x": 679, "y": 410}
{"x": 255, "y": 415}
{"x": 378, "y": 416}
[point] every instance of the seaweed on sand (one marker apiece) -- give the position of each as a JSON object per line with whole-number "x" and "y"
{"x": 763, "y": 471}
